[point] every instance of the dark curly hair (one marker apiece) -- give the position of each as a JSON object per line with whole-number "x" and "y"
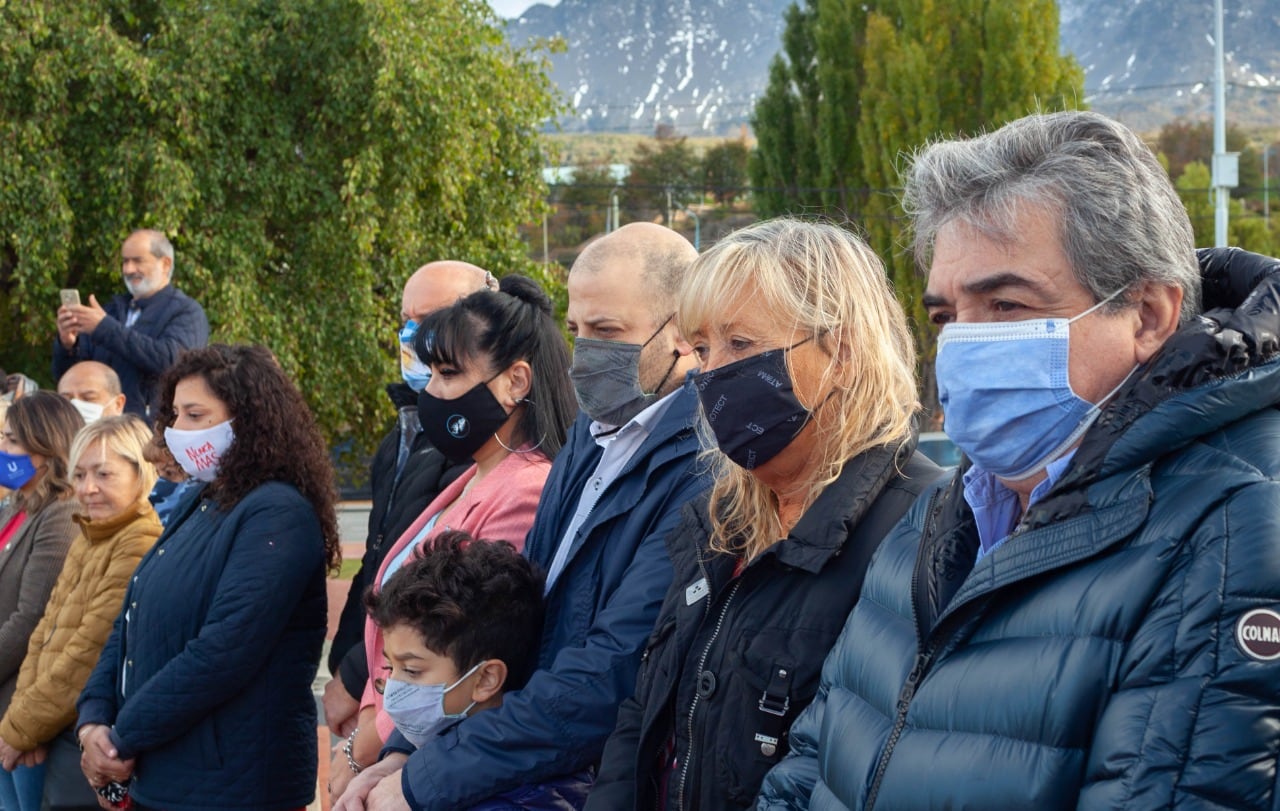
{"x": 514, "y": 323}
{"x": 471, "y": 601}
{"x": 276, "y": 438}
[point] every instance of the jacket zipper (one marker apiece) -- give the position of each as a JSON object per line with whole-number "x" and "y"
{"x": 923, "y": 658}
{"x": 702, "y": 663}
{"x": 904, "y": 703}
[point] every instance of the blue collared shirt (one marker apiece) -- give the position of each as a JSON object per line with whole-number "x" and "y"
{"x": 995, "y": 507}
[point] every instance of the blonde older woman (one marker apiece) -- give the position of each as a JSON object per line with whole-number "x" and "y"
{"x": 808, "y": 393}
{"x": 117, "y": 527}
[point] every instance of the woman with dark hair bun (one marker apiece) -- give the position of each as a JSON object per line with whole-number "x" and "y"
{"x": 499, "y": 394}
{"x": 36, "y": 530}
{"x": 202, "y": 694}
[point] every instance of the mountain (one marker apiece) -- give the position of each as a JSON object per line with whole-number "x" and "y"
{"x": 700, "y": 64}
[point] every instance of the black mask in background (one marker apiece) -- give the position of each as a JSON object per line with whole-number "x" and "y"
{"x": 751, "y": 407}
{"x": 458, "y": 427}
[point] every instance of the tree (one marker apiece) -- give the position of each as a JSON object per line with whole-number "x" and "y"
{"x": 303, "y": 155}
{"x": 585, "y": 201}
{"x": 1183, "y": 142}
{"x": 860, "y": 83}
{"x": 724, "y": 170}
{"x": 663, "y": 175}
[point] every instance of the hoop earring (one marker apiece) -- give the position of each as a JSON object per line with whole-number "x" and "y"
{"x": 503, "y": 445}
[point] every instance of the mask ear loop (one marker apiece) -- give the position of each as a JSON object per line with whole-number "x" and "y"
{"x": 521, "y": 401}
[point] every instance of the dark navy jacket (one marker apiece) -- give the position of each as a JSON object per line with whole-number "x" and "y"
{"x": 1100, "y": 658}
{"x": 598, "y": 615}
{"x": 206, "y": 677}
{"x": 170, "y": 322}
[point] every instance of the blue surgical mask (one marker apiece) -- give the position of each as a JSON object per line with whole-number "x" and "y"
{"x": 416, "y": 374}
{"x": 16, "y": 470}
{"x": 418, "y": 709}
{"x": 1005, "y": 391}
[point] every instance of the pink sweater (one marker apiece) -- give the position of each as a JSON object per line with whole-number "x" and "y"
{"x": 499, "y": 508}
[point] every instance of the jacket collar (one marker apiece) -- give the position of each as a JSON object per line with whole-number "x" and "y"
{"x": 96, "y": 531}
{"x": 825, "y": 526}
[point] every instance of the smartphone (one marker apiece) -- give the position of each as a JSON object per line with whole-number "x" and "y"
{"x": 70, "y": 298}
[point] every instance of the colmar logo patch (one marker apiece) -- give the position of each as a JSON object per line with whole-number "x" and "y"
{"x": 1258, "y": 634}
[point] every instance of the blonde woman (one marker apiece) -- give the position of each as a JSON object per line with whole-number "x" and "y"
{"x": 808, "y": 395}
{"x": 117, "y": 526}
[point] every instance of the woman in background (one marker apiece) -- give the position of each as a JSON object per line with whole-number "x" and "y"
{"x": 36, "y": 530}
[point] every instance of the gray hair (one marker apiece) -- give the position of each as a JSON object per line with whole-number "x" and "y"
{"x": 159, "y": 244}
{"x": 1120, "y": 220}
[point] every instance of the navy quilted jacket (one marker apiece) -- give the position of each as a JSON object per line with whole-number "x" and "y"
{"x": 206, "y": 677}
{"x": 170, "y": 322}
{"x": 1095, "y": 659}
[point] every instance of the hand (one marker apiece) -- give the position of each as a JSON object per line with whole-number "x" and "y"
{"x": 68, "y": 328}
{"x": 35, "y": 757}
{"x": 340, "y": 708}
{"x": 9, "y": 756}
{"x": 357, "y": 793}
{"x": 88, "y": 316}
{"x": 100, "y": 761}
{"x": 388, "y": 795}
{"x": 340, "y": 774}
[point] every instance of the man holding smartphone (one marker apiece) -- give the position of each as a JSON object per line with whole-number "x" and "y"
{"x": 138, "y": 335}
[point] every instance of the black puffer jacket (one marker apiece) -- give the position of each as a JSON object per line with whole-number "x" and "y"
{"x": 733, "y": 660}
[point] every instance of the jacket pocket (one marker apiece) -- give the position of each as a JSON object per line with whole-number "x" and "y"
{"x": 775, "y": 674}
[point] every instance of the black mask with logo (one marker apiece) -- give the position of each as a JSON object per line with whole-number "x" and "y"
{"x": 751, "y": 407}
{"x": 458, "y": 427}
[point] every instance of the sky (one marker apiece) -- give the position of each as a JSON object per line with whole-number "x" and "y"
{"x": 514, "y": 8}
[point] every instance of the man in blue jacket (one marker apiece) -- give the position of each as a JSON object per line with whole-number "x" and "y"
{"x": 615, "y": 491}
{"x": 1088, "y": 614}
{"x": 138, "y": 335}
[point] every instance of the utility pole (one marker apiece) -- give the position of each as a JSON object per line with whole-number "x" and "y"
{"x": 1226, "y": 165}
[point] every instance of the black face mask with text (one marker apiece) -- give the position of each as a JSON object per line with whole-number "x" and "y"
{"x": 751, "y": 407}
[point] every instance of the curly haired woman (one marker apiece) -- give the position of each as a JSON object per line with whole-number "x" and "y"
{"x": 202, "y": 696}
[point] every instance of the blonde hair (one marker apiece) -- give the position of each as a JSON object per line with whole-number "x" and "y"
{"x": 826, "y": 284}
{"x": 124, "y": 435}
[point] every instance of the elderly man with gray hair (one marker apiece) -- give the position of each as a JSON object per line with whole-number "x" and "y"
{"x": 1087, "y": 615}
{"x": 138, "y": 335}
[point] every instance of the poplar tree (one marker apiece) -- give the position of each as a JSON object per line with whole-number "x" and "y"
{"x": 888, "y": 76}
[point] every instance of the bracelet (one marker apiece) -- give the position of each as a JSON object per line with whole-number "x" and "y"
{"x": 346, "y": 750}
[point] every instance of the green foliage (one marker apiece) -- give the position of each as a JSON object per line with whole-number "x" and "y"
{"x": 585, "y": 201}
{"x": 303, "y": 155}
{"x": 664, "y": 177}
{"x": 724, "y": 170}
{"x": 859, "y": 84}
{"x": 1245, "y": 229}
{"x": 1183, "y": 142}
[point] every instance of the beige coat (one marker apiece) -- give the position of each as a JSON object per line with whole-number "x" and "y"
{"x": 65, "y": 645}
{"x": 29, "y": 566}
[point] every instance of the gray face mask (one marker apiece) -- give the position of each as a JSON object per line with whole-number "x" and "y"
{"x": 606, "y": 378}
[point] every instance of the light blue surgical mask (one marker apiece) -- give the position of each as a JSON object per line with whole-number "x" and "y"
{"x": 416, "y": 374}
{"x": 417, "y": 710}
{"x": 1005, "y": 391}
